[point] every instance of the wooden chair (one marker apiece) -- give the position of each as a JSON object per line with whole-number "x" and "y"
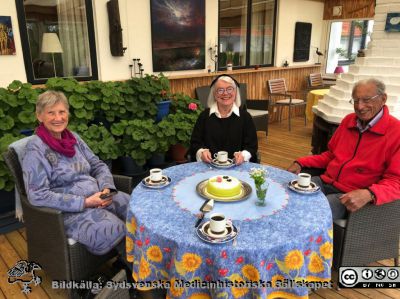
{"x": 277, "y": 88}
{"x": 48, "y": 245}
{"x": 258, "y": 109}
{"x": 315, "y": 81}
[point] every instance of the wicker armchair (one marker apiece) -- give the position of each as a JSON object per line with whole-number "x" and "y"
{"x": 258, "y": 109}
{"x": 367, "y": 235}
{"x": 48, "y": 244}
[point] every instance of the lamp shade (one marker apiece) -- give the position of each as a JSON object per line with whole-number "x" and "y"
{"x": 51, "y": 43}
{"x": 339, "y": 70}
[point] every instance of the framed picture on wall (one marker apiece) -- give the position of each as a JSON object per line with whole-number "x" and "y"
{"x": 302, "y": 39}
{"x": 7, "y": 45}
{"x": 393, "y": 22}
{"x": 178, "y": 35}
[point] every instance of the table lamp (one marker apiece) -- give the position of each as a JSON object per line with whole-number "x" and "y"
{"x": 51, "y": 44}
{"x": 338, "y": 71}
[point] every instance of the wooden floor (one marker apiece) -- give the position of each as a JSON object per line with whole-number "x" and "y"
{"x": 280, "y": 149}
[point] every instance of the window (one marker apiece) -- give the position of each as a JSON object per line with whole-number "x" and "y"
{"x": 57, "y": 39}
{"x": 246, "y": 32}
{"x": 346, "y": 38}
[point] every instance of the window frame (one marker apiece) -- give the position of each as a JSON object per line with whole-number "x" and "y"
{"x": 248, "y": 39}
{"x": 27, "y": 50}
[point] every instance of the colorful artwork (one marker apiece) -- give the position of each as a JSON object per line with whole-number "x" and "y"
{"x": 7, "y": 45}
{"x": 178, "y": 34}
{"x": 393, "y": 22}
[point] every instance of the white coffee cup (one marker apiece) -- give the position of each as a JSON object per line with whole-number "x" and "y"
{"x": 217, "y": 223}
{"x": 304, "y": 179}
{"x": 156, "y": 174}
{"x": 221, "y": 156}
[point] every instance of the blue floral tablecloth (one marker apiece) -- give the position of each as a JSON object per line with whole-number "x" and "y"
{"x": 289, "y": 240}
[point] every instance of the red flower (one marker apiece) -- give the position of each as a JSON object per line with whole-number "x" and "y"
{"x": 147, "y": 241}
{"x": 307, "y": 252}
{"x": 208, "y": 278}
{"x": 141, "y": 228}
{"x": 319, "y": 240}
{"x": 262, "y": 263}
{"x": 223, "y": 272}
{"x": 239, "y": 260}
{"x": 209, "y": 261}
{"x": 223, "y": 254}
{"x": 311, "y": 239}
{"x": 166, "y": 249}
{"x": 139, "y": 243}
{"x": 192, "y": 106}
{"x": 168, "y": 265}
{"x": 163, "y": 93}
{"x": 269, "y": 266}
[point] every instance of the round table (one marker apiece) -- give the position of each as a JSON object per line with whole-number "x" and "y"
{"x": 290, "y": 238}
{"x": 312, "y": 99}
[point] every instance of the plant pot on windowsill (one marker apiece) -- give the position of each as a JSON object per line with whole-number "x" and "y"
{"x": 229, "y": 66}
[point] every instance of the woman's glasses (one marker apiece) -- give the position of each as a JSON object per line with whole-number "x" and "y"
{"x": 228, "y": 90}
{"x": 364, "y": 101}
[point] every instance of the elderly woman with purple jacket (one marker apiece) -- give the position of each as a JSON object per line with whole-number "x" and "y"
{"x": 61, "y": 172}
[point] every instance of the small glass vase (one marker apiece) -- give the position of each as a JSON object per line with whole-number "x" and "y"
{"x": 261, "y": 191}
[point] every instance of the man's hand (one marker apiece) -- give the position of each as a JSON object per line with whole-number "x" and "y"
{"x": 356, "y": 199}
{"x": 206, "y": 156}
{"x": 294, "y": 168}
{"x": 239, "y": 159}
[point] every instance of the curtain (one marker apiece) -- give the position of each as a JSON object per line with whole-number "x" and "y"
{"x": 74, "y": 37}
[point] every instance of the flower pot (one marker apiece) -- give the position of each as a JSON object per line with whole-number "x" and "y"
{"x": 178, "y": 153}
{"x": 156, "y": 159}
{"x": 229, "y": 67}
{"x": 130, "y": 167}
{"x": 163, "y": 110}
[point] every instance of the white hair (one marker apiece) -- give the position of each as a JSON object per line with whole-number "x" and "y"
{"x": 211, "y": 98}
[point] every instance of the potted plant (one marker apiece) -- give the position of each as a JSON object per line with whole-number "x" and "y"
{"x": 163, "y": 138}
{"x": 100, "y": 141}
{"x": 183, "y": 118}
{"x": 137, "y": 142}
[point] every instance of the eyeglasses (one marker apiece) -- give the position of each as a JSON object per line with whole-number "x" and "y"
{"x": 364, "y": 101}
{"x": 228, "y": 90}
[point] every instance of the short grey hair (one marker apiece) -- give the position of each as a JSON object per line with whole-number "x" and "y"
{"x": 50, "y": 98}
{"x": 380, "y": 86}
{"x": 211, "y": 98}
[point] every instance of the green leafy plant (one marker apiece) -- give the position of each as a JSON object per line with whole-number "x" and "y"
{"x": 99, "y": 140}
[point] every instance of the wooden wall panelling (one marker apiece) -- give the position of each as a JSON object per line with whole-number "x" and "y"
{"x": 256, "y": 82}
{"x": 357, "y": 9}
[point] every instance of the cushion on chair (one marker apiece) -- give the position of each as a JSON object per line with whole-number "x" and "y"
{"x": 286, "y": 101}
{"x": 254, "y": 112}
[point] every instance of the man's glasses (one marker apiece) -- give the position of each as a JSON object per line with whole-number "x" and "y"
{"x": 228, "y": 90}
{"x": 364, "y": 101}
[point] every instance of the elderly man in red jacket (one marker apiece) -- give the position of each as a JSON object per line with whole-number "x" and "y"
{"x": 362, "y": 163}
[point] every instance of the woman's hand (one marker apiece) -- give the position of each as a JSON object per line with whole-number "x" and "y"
{"x": 239, "y": 159}
{"x": 94, "y": 201}
{"x": 206, "y": 156}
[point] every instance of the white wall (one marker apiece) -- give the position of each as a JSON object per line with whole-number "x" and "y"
{"x": 12, "y": 66}
{"x": 290, "y": 12}
{"x": 136, "y": 25}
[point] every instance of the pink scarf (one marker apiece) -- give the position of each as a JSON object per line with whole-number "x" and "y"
{"x": 64, "y": 146}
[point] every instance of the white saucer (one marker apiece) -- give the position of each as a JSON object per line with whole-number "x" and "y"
{"x": 165, "y": 181}
{"x": 231, "y": 234}
{"x": 228, "y": 164}
{"x": 205, "y": 228}
{"x": 209, "y": 232}
{"x": 311, "y": 189}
